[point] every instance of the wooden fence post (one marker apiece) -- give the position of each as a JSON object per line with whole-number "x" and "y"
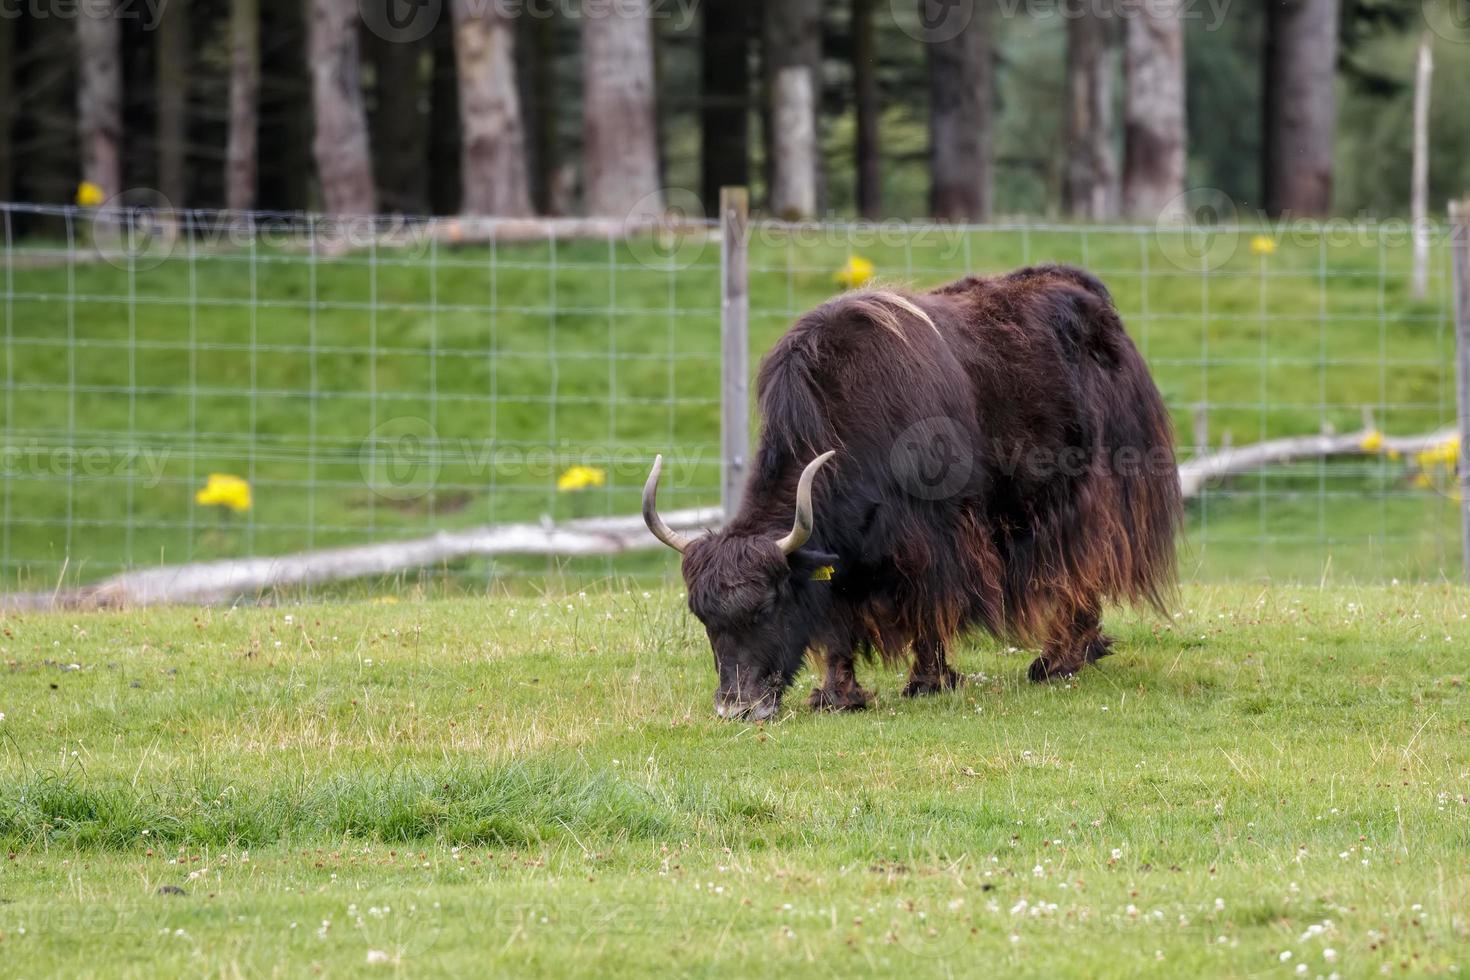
{"x": 1460, "y": 253}
{"x": 734, "y": 345}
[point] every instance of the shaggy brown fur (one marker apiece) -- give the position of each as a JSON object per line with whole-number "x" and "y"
{"x": 1004, "y": 461}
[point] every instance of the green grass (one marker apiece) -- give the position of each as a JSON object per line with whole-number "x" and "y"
{"x": 537, "y": 786}
{"x": 282, "y": 369}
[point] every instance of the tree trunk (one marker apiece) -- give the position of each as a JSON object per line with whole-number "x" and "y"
{"x": 1154, "y": 133}
{"x": 493, "y": 140}
{"x": 1300, "y": 106}
{"x": 46, "y": 129}
{"x": 8, "y": 88}
{"x": 397, "y": 124}
{"x": 660, "y": 109}
{"x": 283, "y": 178}
{"x": 99, "y": 95}
{"x": 343, "y": 159}
{"x": 1089, "y": 188}
{"x": 444, "y": 156}
{"x": 793, "y": 52}
{"x": 725, "y": 106}
{"x": 620, "y": 129}
{"x": 961, "y": 77}
{"x": 140, "y": 109}
{"x": 868, "y": 110}
{"x": 1419, "y": 192}
{"x": 240, "y": 150}
{"x": 539, "y": 109}
{"x": 172, "y": 87}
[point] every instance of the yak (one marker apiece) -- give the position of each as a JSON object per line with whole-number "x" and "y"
{"x": 992, "y": 453}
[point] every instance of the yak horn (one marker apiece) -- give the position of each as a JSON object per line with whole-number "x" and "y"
{"x": 801, "y": 529}
{"x": 655, "y": 523}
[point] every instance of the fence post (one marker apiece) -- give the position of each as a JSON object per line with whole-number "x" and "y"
{"x": 1460, "y": 257}
{"x": 734, "y": 345}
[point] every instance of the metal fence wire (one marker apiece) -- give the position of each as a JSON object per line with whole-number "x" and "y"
{"x": 191, "y": 385}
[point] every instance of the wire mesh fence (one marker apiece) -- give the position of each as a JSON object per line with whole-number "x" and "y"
{"x": 364, "y": 381}
{"x": 1252, "y": 333}
{"x": 377, "y": 379}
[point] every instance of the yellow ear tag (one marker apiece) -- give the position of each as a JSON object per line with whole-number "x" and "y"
{"x": 823, "y": 574}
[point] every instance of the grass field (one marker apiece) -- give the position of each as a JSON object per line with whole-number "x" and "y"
{"x": 308, "y": 375}
{"x": 1274, "y": 783}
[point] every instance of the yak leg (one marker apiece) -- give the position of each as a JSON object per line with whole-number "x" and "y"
{"x": 1075, "y": 641}
{"x": 839, "y": 690}
{"x": 930, "y": 672}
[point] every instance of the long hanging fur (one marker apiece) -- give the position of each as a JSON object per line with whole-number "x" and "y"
{"x": 1063, "y": 491}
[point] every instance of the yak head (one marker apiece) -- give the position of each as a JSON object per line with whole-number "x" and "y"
{"x": 754, "y": 597}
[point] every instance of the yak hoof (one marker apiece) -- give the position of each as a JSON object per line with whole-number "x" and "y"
{"x": 933, "y": 683}
{"x": 848, "y": 699}
{"x": 1043, "y": 669}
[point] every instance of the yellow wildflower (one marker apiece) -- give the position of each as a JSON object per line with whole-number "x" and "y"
{"x": 1437, "y": 466}
{"x": 1446, "y": 455}
{"x": 580, "y": 478}
{"x": 89, "y": 195}
{"x": 855, "y": 273}
{"x": 1263, "y": 245}
{"x": 223, "y": 490}
{"x": 1372, "y": 442}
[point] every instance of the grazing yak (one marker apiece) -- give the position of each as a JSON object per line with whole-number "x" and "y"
{"x": 999, "y": 457}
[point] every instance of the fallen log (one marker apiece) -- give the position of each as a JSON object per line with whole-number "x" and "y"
{"x": 1196, "y": 473}
{"x": 226, "y": 580}
{"x": 220, "y": 581}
